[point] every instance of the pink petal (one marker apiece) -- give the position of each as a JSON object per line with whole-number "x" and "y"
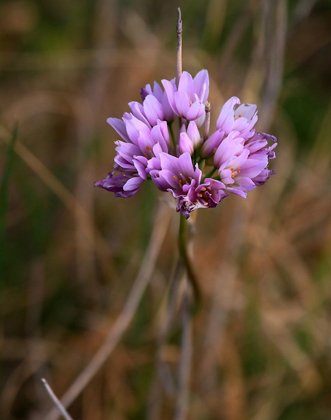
{"x": 119, "y": 126}
{"x": 181, "y": 103}
{"x": 186, "y": 84}
{"x": 201, "y": 85}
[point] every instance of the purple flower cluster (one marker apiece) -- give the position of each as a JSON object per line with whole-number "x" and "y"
{"x": 198, "y": 171}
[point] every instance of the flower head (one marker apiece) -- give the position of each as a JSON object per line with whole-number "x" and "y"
{"x": 178, "y": 176}
{"x": 149, "y": 148}
{"x": 189, "y": 98}
{"x": 237, "y": 117}
{"x": 243, "y": 165}
{"x": 234, "y": 117}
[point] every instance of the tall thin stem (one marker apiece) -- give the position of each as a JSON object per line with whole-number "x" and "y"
{"x": 211, "y": 173}
{"x": 172, "y": 135}
{"x": 185, "y": 361}
{"x": 183, "y": 251}
{"x": 179, "y": 45}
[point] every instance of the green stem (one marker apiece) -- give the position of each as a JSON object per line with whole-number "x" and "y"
{"x": 200, "y": 161}
{"x": 182, "y": 244}
{"x": 172, "y": 135}
{"x": 211, "y": 173}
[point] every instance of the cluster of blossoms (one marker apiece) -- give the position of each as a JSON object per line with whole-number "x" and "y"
{"x": 198, "y": 170}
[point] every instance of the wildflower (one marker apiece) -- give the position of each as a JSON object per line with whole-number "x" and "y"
{"x": 162, "y": 98}
{"x": 150, "y": 150}
{"x": 237, "y": 117}
{"x": 133, "y": 153}
{"x": 122, "y": 185}
{"x": 178, "y": 176}
{"x": 233, "y": 118}
{"x": 243, "y": 165}
{"x": 189, "y": 98}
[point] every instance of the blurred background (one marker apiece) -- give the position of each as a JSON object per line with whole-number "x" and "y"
{"x": 70, "y": 253}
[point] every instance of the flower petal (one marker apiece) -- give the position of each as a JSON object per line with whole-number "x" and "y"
{"x": 181, "y": 103}
{"x": 119, "y": 126}
{"x": 201, "y": 85}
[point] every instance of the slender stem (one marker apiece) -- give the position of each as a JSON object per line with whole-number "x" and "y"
{"x": 172, "y": 135}
{"x": 207, "y": 121}
{"x": 179, "y": 45}
{"x": 194, "y": 157}
{"x": 211, "y": 173}
{"x": 182, "y": 243}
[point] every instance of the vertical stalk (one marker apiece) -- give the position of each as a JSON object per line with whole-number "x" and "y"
{"x": 183, "y": 252}
{"x": 172, "y": 135}
{"x": 179, "y": 45}
{"x": 185, "y": 361}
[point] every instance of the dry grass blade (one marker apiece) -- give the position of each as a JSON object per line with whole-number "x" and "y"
{"x": 159, "y": 232}
{"x": 275, "y": 47}
{"x": 56, "y": 401}
{"x": 73, "y": 206}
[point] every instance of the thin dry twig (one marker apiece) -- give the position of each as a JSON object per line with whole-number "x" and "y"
{"x": 94, "y": 92}
{"x": 207, "y": 121}
{"x": 179, "y": 45}
{"x": 159, "y": 232}
{"x": 275, "y": 48}
{"x": 55, "y": 400}
{"x": 303, "y": 9}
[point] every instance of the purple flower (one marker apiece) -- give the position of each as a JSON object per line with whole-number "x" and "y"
{"x": 189, "y": 99}
{"x": 231, "y": 146}
{"x": 233, "y": 118}
{"x": 162, "y": 98}
{"x": 178, "y": 176}
{"x": 122, "y": 185}
{"x": 258, "y": 147}
{"x": 237, "y": 117}
{"x": 141, "y": 144}
{"x": 147, "y": 151}
{"x": 243, "y": 165}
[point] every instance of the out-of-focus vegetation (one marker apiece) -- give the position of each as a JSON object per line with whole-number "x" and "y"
{"x": 69, "y": 253}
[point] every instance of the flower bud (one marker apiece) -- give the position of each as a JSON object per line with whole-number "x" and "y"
{"x": 185, "y": 144}
{"x": 194, "y": 135}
